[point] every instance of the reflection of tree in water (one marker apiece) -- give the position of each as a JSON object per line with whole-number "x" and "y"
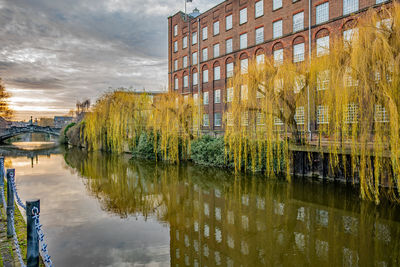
{"x": 121, "y": 187}
{"x": 245, "y": 220}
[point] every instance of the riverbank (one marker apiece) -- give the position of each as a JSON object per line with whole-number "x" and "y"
{"x": 8, "y": 255}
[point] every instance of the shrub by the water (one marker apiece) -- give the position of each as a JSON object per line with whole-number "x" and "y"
{"x": 209, "y": 151}
{"x": 64, "y": 131}
{"x": 145, "y": 147}
{"x": 212, "y": 151}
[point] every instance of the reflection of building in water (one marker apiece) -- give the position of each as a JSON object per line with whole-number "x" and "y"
{"x": 216, "y": 221}
{"x": 216, "y": 228}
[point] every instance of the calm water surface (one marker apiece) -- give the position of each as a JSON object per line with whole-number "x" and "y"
{"x": 105, "y": 210}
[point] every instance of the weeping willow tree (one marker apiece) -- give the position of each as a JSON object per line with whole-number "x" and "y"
{"x": 263, "y": 100}
{"x": 174, "y": 119}
{"x": 355, "y": 89}
{"x": 116, "y": 121}
{"x": 119, "y": 118}
{"x": 362, "y": 100}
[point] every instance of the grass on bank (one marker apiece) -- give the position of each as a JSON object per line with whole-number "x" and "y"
{"x": 20, "y": 229}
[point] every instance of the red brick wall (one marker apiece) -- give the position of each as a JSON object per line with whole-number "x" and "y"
{"x": 219, "y": 12}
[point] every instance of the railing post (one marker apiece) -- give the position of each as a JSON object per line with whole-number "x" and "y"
{"x": 32, "y": 252}
{"x": 2, "y": 172}
{"x": 10, "y": 201}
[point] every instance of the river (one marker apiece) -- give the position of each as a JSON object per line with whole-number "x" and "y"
{"x": 107, "y": 210}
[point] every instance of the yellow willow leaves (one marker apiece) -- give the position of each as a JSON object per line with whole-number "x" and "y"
{"x": 174, "y": 119}
{"x": 354, "y": 100}
{"x": 118, "y": 119}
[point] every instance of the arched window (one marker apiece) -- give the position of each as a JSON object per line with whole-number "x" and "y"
{"x": 229, "y": 67}
{"x": 217, "y": 71}
{"x": 205, "y": 74}
{"x": 244, "y": 63}
{"x": 322, "y": 42}
{"x": 277, "y": 51}
{"x": 298, "y": 49}
{"x": 185, "y": 80}
{"x": 195, "y": 77}
{"x": 260, "y": 56}
{"x": 350, "y": 31}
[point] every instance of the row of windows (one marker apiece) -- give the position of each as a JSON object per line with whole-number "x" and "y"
{"x": 322, "y": 48}
{"x": 322, "y": 44}
{"x": 349, "y": 225}
{"x": 321, "y": 16}
{"x": 350, "y": 116}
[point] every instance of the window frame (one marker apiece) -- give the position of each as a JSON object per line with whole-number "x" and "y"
{"x": 242, "y": 16}
{"x": 185, "y": 61}
{"x": 184, "y": 42}
{"x": 281, "y": 55}
{"x": 218, "y": 120}
{"x": 204, "y": 33}
{"x": 262, "y": 60}
{"x": 322, "y": 50}
{"x": 244, "y": 66}
{"x": 280, "y": 4}
{"x": 217, "y": 97}
{"x": 195, "y": 78}
{"x": 280, "y": 21}
{"x": 217, "y": 70}
{"x": 240, "y": 40}
{"x": 185, "y": 81}
{"x": 300, "y": 56}
{"x": 228, "y": 20}
{"x": 229, "y": 94}
{"x": 176, "y": 83}
{"x": 297, "y": 26}
{"x": 204, "y": 51}
{"x": 322, "y": 112}
{"x": 300, "y": 115}
{"x": 205, "y": 76}
{"x": 257, "y": 41}
{"x": 351, "y": 7}
{"x": 206, "y": 115}
{"x": 319, "y": 16}
{"x": 230, "y": 40}
{"x": 262, "y": 9}
{"x": 229, "y": 73}
{"x": 214, "y": 28}
{"x": 194, "y": 58}
{"x": 215, "y": 55}
{"x": 206, "y": 98}
{"x": 194, "y": 38}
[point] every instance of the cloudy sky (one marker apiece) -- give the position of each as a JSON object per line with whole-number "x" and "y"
{"x": 56, "y": 52}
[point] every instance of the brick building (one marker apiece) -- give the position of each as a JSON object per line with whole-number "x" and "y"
{"x": 203, "y": 48}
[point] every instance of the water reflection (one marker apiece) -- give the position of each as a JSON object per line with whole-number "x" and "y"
{"x": 249, "y": 221}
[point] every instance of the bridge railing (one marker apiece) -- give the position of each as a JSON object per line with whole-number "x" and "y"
{"x": 35, "y": 234}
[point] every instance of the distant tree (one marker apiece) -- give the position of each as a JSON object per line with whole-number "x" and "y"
{"x": 5, "y": 110}
{"x": 82, "y": 107}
